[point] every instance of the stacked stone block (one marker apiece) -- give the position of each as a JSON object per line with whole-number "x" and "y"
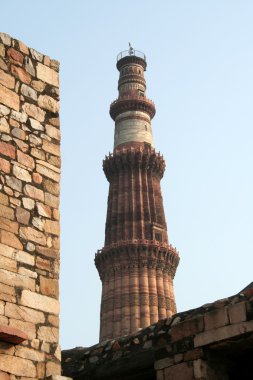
{"x": 29, "y": 212}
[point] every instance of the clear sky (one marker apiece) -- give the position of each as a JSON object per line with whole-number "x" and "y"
{"x": 199, "y": 74}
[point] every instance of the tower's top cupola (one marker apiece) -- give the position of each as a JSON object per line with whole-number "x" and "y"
{"x": 132, "y": 111}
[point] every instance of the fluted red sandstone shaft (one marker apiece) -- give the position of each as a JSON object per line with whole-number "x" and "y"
{"x": 137, "y": 264}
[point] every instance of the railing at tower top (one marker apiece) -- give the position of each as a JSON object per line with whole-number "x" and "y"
{"x": 130, "y": 53}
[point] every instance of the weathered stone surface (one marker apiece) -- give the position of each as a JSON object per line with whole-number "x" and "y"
{"x": 48, "y": 103}
{"x": 55, "y": 121}
{"x": 52, "y": 187}
{"x": 47, "y": 172}
{"x": 6, "y": 212}
{"x": 10, "y": 239}
{"x": 47, "y": 75}
{"x": 53, "y": 320}
{"x": 19, "y": 116}
{"x": 25, "y": 160}
{"x": 34, "y": 192}
{"x": 37, "y": 178}
{"x": 36, "y": 55}
{"x": 30, "y": 354}
{"x": 18, "y": 133}
{"x": 51, "y": 200}
{"x": 43, "y": 210}
{"x": 51, "y": 148}
{"x": 53, "y": 132}
{"x": 222, "y": 333}
{"x": 14, "y": 183}
{"x": 53, "y": 368}
{"x": 15, "y": 279}
{"x": 28, "y": 203}
{"x": 28, "y": 92}
{"x": 22, "y": 174}
{"x": 34, "y": 111}
{"x": 48, "y": 252}
{"x": 24, "y": 257}
{"x": 29, "y": 66}
{"x": 216, "y": 318}
{"x": 49, "y": 287}
{"x": 22, "y": 215}
{"x": 4, "y": 126}
{"x": 38, "y": 222}
{"x": 37, "y": 153}
{"x": 7, "y": 80}
{"x": 32, "y": 234}
{"x": 9, "y": 98}
{"x": 163, "y": 363}
{"x": 28, "y": 327}
{"x": 4, "y": 111}
{"x": 2, "y": 50}
{"x": 3, "y": 65}
{"x": 15, "y": 55}
{"x": 4, "y": 376}
{"x": 5, "y": 38}
{"x": 21, "y": 144}
{"x": 27, "y": 272}
{"x": 7, "y": 150}
{"x": 237, "y": 312}
{"x": 24, "y": 313}
{"x": 38, "y": 85}
{"x": 5, "y": 165}
{"x": 4, "y": 200}
{"x": 21, "y": 74}
{"x": 48, "y": 334}
{"x": 36, "y": 125}
{"x": 8, "y": 225}
{"x": 43, "y": 264}
{"x": 8, "y": 264}
{"x": 39, "y": 302}
{"x": 200, "y": 369}
{"x": 52, "y": 227}
{"x": 35, "y": 140}
{"x": 23, "y": 48}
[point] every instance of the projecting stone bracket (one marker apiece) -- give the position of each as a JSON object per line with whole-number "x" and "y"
{"x": 12, "y": 335}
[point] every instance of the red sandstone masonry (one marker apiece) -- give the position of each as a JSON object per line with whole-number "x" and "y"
{"x": 29, "y": 215}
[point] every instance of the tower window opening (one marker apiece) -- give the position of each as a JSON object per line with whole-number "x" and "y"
{"x": 141, "y": 93}
{"x": 159, "y": 236}
{"x": 146, "y": 128}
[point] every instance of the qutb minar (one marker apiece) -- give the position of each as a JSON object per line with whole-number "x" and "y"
{"x": 137, "y": 264}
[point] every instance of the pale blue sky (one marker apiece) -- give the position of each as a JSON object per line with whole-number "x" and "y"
{"x": 199, "y": 74}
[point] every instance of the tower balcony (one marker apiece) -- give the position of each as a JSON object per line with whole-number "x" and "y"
{"x": 132, "y": 103}
{"x": 131, "y": 56}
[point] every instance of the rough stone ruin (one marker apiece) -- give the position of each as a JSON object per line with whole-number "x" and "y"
{"x": 29, "y": 213}
{"x": 141, "y": 337}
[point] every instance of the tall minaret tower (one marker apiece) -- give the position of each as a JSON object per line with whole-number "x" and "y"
{"x": 137, "y": 264}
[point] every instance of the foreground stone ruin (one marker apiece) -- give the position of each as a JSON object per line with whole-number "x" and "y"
{"x": 213, "y": 342}
{"x": 29, "y": 213}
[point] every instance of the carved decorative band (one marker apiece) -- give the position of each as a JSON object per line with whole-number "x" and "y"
{"x": 131, "y": 78}
{"x": 131, "y": 59}
{"x": 134, "y": 158}
{"x": 136, "y": 255}
{"x": 131, "y": 103}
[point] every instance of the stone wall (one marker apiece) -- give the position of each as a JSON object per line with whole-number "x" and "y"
{"x": 29, "y": 212}
{"x": 212, "y": 342}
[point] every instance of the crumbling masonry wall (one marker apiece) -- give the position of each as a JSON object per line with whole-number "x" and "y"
{"x": 29, "y": 212}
